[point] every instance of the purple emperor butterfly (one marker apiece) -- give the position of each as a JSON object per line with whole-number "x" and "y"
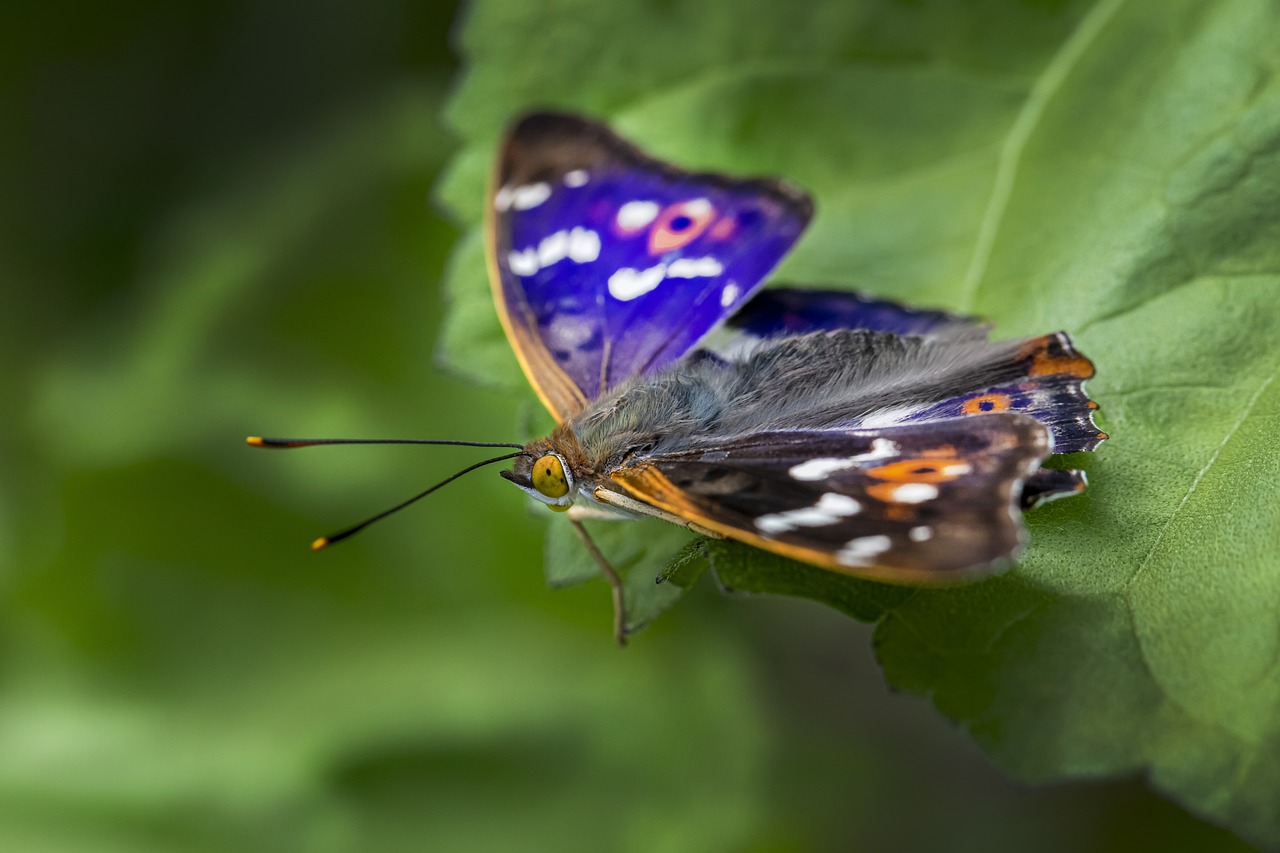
{"x": 855, "y": 434}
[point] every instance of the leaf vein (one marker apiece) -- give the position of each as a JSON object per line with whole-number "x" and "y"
{"x": 1042, "y": 92}
{"x": 1195, "y": 482}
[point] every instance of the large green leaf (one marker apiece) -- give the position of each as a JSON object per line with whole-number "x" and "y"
{"x": 1112, "y": 169}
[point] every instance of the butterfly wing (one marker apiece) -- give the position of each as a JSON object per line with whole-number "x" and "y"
{"x": 1046, "y": 377}
{"x": 944, "y": 392}
{"x": 797, "y": 311}
{"x": 859, "y": 379}
{"x": 916, "y": 503}
{"x": 606, "y": 263}
{"x": 1042, "y": 377}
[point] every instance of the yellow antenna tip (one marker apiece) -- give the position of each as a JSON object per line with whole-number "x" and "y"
{"x": 320, "y": 544}
{"x": 254, "y": 441}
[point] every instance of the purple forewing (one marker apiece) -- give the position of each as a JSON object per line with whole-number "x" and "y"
{"x": 621, "y": 263}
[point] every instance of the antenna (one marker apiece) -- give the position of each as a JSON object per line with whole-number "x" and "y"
{"x": 290, "y": 443}
{"x": 326, "y": 541}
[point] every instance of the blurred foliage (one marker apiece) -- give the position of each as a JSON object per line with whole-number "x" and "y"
{"x": 217, "y": 223}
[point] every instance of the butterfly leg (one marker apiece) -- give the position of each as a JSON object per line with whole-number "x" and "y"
{"x": 579, "y": 512}
{"x": 615, "y": 582}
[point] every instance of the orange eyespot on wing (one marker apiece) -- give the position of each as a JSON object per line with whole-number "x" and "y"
{"x": 679, "y": 225}
{"x": 922, "y": 470}
{"x": 984, "y": 403}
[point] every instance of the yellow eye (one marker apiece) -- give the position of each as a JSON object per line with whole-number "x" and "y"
{"x": 548, "y": 476}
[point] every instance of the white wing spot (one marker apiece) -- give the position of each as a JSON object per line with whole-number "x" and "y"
{"x": 697, "y": 207}
{"x": 729, "y": 294}
{"x": 637, "y": 214}
{"x": 820, "y": 469}
{"x": 584, "y": 245}
{"x": 923, "y": 533}
{"x": 581, "y": 245}
{"x": 523, "y": 263}
{"x": 914, "y": 493}
{"x": 530, "y": 196}
{"x": 553, "y": 249}
{"x": 823, "y": 467}
{"x": 829, "y": 509}
{"x": 860, "y": 551}
{"x": 502, "y": 200}
{"x": 694, "y": 268}
{"x": 881, "y": 448}
{"x": 840, "y": 505}
{"x": 626, "y": 284}
{"x": 571, "y": 331}
{"x": 576, "y": 178}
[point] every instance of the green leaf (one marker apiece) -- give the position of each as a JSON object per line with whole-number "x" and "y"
{"x": 1112, "y": 169}
{"x": 657, "y": 568}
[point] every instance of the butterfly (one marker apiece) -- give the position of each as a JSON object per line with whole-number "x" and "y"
{"x": 852, "y": 433}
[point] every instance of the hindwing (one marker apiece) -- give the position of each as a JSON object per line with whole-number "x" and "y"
{"x": 918, "y": 503}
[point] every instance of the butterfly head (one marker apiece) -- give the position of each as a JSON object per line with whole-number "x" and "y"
{"x": 545, "y": 475}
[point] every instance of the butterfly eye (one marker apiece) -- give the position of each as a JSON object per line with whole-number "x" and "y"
{"x": 549, "y": 478}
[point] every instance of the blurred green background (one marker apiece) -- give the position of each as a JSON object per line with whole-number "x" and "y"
{"x": 217, "y": 221}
